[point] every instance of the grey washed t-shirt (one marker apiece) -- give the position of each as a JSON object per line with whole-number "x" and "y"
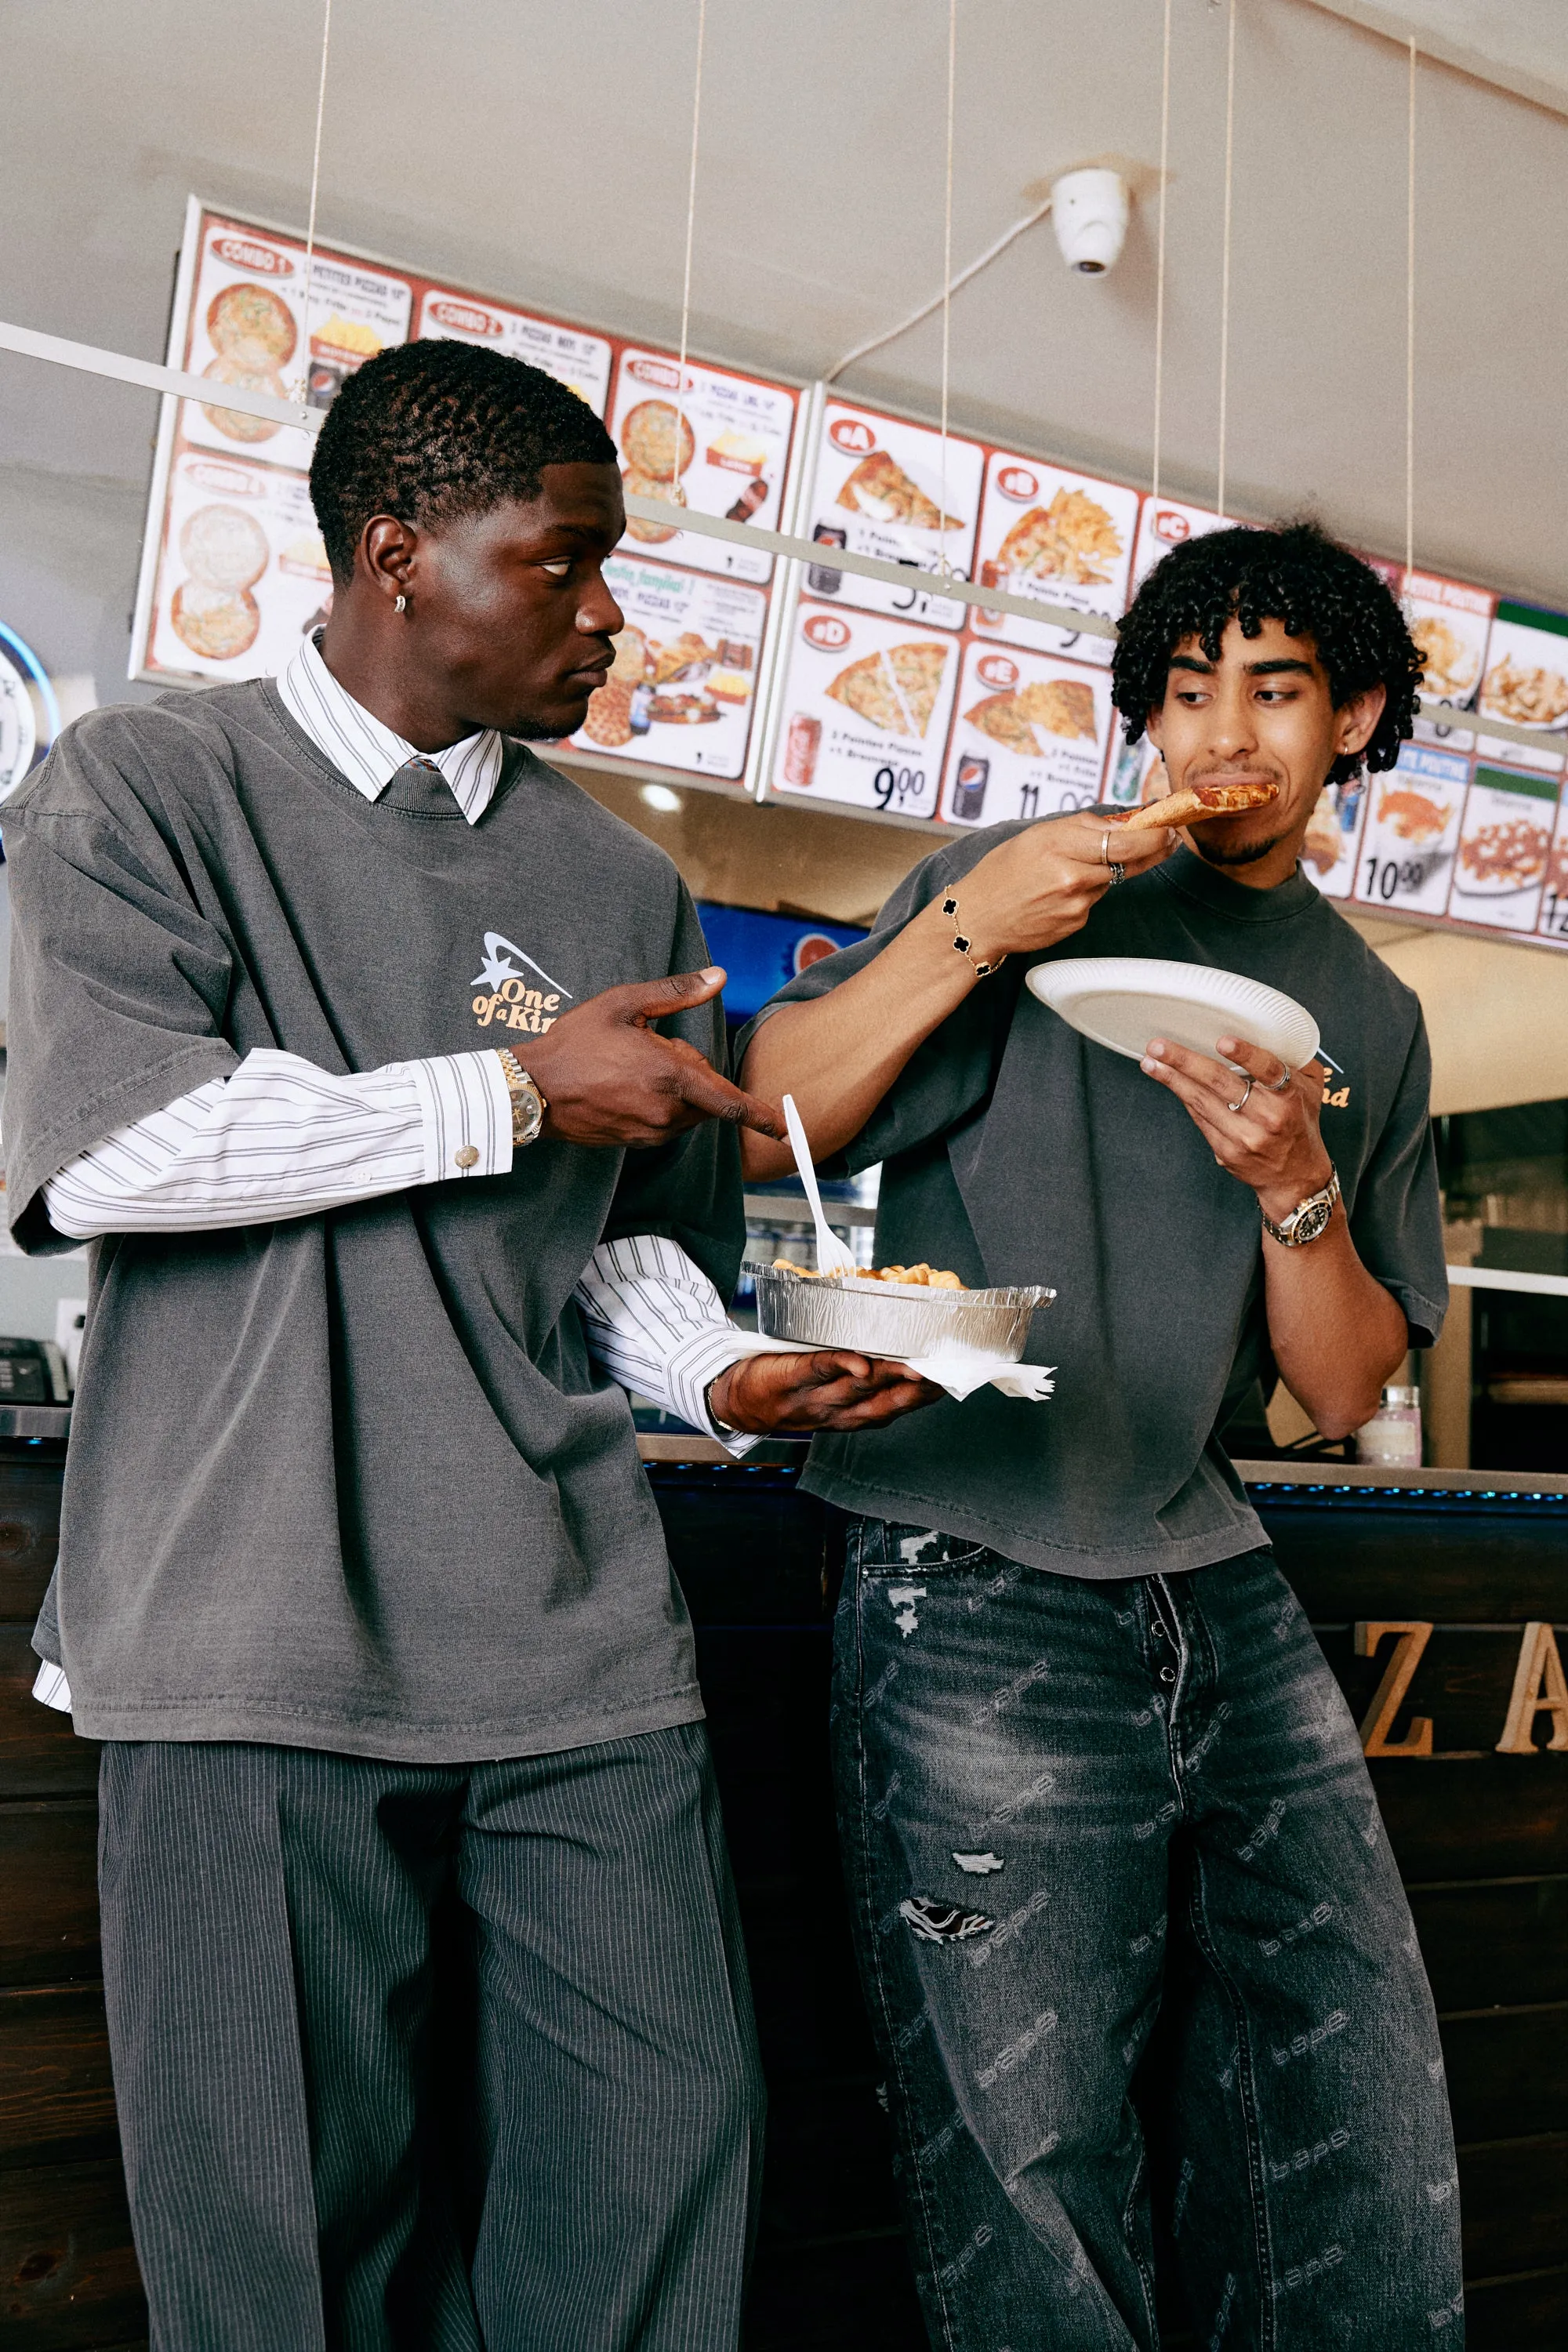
{"x": 1016, "y": 1152}
{"x": 348, "y": 1481}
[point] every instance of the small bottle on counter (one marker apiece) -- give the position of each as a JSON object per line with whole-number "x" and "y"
{"x": 1393, "y": 1436}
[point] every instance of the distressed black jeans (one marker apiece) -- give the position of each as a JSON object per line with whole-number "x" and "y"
{"x": 1068, "y": 1807}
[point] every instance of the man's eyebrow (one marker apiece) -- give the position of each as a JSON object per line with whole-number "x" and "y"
{"x": 1192, "y": 661}
{"x": 1273, "y": 669}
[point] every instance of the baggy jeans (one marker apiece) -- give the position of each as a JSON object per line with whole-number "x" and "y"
{"x": 1066, "y": 1805}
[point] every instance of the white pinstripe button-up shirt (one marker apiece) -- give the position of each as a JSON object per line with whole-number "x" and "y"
{"x": 280, "y": 1137}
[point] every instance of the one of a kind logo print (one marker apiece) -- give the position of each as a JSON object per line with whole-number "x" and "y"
{"x": 515, "y": 993}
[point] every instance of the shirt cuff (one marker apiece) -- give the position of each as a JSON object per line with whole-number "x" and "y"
{"x": 466, "y": 1108}
{"x": 50, "y": 1687}
{"x": 690, "y": 1367}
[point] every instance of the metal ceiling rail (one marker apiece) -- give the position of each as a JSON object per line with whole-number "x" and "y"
{"x": 178, "y": 383}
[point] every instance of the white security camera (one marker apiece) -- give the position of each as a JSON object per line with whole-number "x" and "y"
{"x": 1089, "y": 213}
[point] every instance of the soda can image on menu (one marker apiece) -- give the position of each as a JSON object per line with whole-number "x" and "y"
{"x": 819, "y": 578}
{"x": 969, "y": 786}
{"x": 801, "y": 746}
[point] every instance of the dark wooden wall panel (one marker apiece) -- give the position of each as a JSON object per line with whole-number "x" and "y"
{"x": 68, "y": 2281}
{"x": 1482, "y": 1839}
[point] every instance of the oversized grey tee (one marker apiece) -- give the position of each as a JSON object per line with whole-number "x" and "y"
{"x": 1015, "y": 1151}
{"x": 348, "y": 1481}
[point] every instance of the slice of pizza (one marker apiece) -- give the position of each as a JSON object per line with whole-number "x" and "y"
{"x": 1061, "y": 705}
{"x": 880, "y": 487}
{"x": 867, "y": 687}
{"x": 1001, "y": 717}
{"x": 919, "y": 671}
{"x": 1072, "y": 538}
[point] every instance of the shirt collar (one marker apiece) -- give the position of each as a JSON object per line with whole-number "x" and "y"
{"x": 367, "y": 752}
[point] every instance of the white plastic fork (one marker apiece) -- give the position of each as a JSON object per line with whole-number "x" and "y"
{"x": 832, "y": 1257}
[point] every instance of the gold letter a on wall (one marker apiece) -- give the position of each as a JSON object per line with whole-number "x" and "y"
{"x": 1539, "y": 1689}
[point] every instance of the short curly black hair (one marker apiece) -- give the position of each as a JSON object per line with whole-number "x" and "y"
{"x": 1297, "y": 575}
{"x": 432, "y": 430}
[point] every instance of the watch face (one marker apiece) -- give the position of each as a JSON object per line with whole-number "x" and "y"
{"x": 1312, "y": 1221}
{"x": 529, "y": 1113}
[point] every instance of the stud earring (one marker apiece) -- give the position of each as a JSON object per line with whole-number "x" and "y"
{"x": 401, "y": 605}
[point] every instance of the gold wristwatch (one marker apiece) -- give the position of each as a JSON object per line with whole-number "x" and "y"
{"x": 1309, "y": 1220}
{"x": 528, "y": 1105}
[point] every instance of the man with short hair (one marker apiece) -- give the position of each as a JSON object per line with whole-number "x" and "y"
{"x": 1091, "y": 1759}
{"x": 332, "y": 1022}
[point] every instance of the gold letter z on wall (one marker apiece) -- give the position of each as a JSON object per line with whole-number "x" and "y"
{"x": 1414, "y": 1636}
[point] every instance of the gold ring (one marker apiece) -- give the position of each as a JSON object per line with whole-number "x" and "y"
{"x": 1105, "y": 847}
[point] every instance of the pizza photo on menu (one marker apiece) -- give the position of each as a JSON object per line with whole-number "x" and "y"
{"x": 864, "y": 711}
{"x": 880, "y": 487}
{"x": 1031, "y": 739}
{"x": 711, "y": 440}
{"x": 1065, "y": 539}
{"x": 1073, "y": 538}
{"x": 895, "y": 687}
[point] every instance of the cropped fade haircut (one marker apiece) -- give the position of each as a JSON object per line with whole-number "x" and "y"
{"x": 1297, "y": 576}
{"x": 431, "y": 431}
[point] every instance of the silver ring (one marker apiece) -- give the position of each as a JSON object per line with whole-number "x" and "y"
{"x": 1118, "y": 873}
{"x": 1285, "y": 1083}
{"x": 1241, "y": 1105}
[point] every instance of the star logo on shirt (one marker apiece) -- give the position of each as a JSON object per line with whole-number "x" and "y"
{"x": 504, "y": 960}
{"x": 508, "y": 996}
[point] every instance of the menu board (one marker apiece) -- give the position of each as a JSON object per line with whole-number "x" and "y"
{"x": 713, "y": 441}
{"x": 581, "y": 361}
{"x": 233, "y": 569}
{"x": 1029, "y": 739}
{"x": 247, "y": 326}
{"x": 1526, "y": 682}
{"x": 243, "y": 574}
{"x": 866, "y": 705}
{"x": 1164, "y": 524}
{"x": 1412, "y": 829}
{"x": 883, "y": 698}
{"x": 1134, "y": 772}
{"x": 1333, "y": 837}
{"x": 1552, "y": 926}
{"x": 684, "y": 678}
{"x": 878, "y": 489}
{"x": 1505, "y": 839}
{"x": 1061, "y": 537}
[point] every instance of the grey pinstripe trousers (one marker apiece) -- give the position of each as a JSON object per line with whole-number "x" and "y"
{"x": 281, "y": 2074}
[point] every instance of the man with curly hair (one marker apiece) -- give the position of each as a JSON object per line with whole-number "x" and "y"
{"x": 1092, "y": 1766}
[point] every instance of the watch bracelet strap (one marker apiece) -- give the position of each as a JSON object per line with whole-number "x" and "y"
{"x": 1330, "y": 1193}
{"x": 517, "y": 1077}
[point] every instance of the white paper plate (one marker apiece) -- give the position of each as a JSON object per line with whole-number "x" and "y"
{"x": 1123, "y": 1001}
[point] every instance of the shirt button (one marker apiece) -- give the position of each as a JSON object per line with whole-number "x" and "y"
{"x": 466, "y": 1155}
{"x": 1167, "y": 1674}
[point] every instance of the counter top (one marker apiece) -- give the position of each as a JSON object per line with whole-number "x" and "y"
{"x": 1299, "y": 1477}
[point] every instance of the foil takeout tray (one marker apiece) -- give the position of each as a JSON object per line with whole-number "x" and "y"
{"x": 903, "y": 1320}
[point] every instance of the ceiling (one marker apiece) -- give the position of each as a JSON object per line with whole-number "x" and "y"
{"x": 540, "y": 151}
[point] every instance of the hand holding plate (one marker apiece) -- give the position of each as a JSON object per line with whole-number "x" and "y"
{"x": 1262, "y": 1126}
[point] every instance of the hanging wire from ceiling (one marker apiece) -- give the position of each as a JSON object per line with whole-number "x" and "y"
{"x": 315, "y": 184}
{"x": 947, "y": 271}
{"x": 685, "y": 280}
{"x": 982, "y": 261}
{"x": 1160, "y": 259}
{"x": 1410, "y": 327}
{"x": 1225, "y": 258}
